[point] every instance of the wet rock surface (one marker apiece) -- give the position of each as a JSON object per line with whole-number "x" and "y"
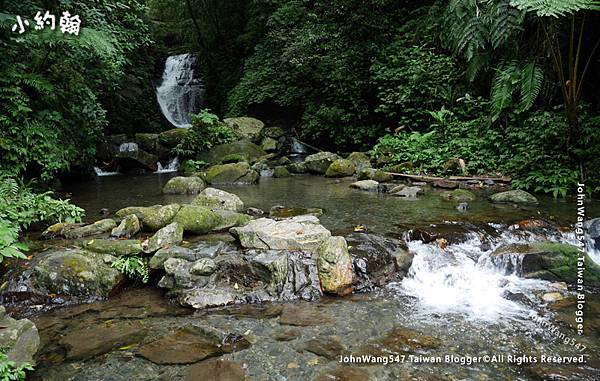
{"x": 184, "y": 185}
{"x": 19, "y": 338}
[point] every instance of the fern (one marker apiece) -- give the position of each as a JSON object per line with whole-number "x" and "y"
{"x": 555, "y": 8}
{"x": 531, "y": 85}
{"x": 514, "y": 77}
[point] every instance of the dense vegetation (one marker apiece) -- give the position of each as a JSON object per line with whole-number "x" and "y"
{"x": 505, "y": 85}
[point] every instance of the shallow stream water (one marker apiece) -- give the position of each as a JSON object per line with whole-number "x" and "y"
{"x": 451, "y": 305}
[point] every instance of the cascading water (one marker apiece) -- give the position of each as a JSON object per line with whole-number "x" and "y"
{"x": 462, "y": 278}
{"x": 179, "y": 93}
{"x": 172, "y": 166}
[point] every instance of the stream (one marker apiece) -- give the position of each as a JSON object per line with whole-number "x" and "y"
{"x": 453, "y": 304}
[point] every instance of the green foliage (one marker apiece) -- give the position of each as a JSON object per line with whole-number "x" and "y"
{"x": 193, "y": 166}
{"x": 532, "y": 151}
{"x": 555, "y": 8}
{"x": 313, "y": 62}
{"x": 206, "y": 132}
{"x": 21, "y": 206}
{"x": 513, "y": 77}
{"x": 412, "y": 79}
{"x": 52, "y": 85}
{"x": 9, "y": 371}
{"x": 133, "y": 267}
{"x": 9, "y": 245}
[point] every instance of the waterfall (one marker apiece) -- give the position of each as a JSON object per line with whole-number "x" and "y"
{"x": 172, "y": 166}
{"x": 100, "y": 172}
{"x": 296, "y": 147}
{"x": 179, "y": 93}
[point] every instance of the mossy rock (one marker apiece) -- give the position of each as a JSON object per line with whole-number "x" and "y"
{"x": 318, "y": 163}
{"x": 230, "y": 219}
{"x": 281, "y": 171}
{"x": 129, "y": 226}
{"x": 460, "y": 195}
{"x": 152, "y": 217}
{"x": 269, "y": 144}
{"x": 550, "y": 261}
{"x": 172, "y": 137}
{"x": 116, "y": 247}
{"x": 147, "y": 142}
{"x": 98, "y": 227}
{"x": 516, "y": 196}
{"x": 248, "y": 150}
{"x": 74, "y": 272}
{"x": 170, "y": 235}
{"x": 246, "y": 127}
{"x": 233, "y": 173}
{"x": 184, "y": 185}
{"x": 360, "y": 160}
{"x": 217, "y": 199}
{"x": 381, "y": 176}
{"x": 234, "y": 158}
{"x": 273, "y": 132}
{"x": 296, "y": 168}
{"x": 340, "y": 168}
{"x": 197, "y": 219}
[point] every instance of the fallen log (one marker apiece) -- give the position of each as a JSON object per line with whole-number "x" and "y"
{"x": 429, "y": 179}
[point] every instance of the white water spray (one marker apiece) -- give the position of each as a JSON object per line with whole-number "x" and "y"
{"x": 172, "y": 166}
{"x": 179, "y": 93}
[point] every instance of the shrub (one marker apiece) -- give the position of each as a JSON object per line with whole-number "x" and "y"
{"x": 9, "y": 371}
{"x": 133, "y": 267}
{"x": 206, "y": 131}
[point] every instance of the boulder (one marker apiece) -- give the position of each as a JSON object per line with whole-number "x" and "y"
{"x": 202, "y": 249}
{"x": 360, "y": 160}
{"x": 246, "y": 127}
{"x": 197, "y": 219}
{"x": 243, "y": 148}
{"x": 545, "y": 260}
{"x": 152, "y": 217}
{"x": 98, "y": 227}
{"x": 273, "y": 132}
{"x": 116, "y": 247}
{"x": 134, "y": 157}
{"x": 158, "y": 259}
{"x": 184, "y": 185}
{"x": 340, "y": 168}
{"x": 460, "y": 195}
{"x": 76, "y": 273}
{"x": 235, "y": 173}
{"x": 409, "y": 192}
{"x": 234, "y": 158}
{"x": 172, "y": 137}
{"x": 318, "y": 163}
{"x": 335, "y": 266}
{"x": 299, "y": 167}
{"x": 230, "y": 219}
{"x": 297, "y": 233}
{"x": 377, "y": 260}
{"x": 455, "y": 166}
{"x": 269, "y": 144}
{"x": 19, "y": 338}
{"x": 147, "y": 142}
{"x": 514, "y": 196}
{"x": 281, "y": 171}
{"x": 374, "y": 174}
{"x": 366, "y": 185}
{"x": 214, "y": 199}
{"x": 129, "y": 226}
{"x": 108, "y": 146}
{"x": 74, "y": 231}
{"x": 170, "y": 235}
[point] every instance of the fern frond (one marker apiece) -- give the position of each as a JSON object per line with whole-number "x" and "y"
{"x": 555, "y": 8}
{"x": 531, "y": 85}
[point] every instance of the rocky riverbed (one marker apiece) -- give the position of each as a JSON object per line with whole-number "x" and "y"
{"x": 278, "y": 280}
